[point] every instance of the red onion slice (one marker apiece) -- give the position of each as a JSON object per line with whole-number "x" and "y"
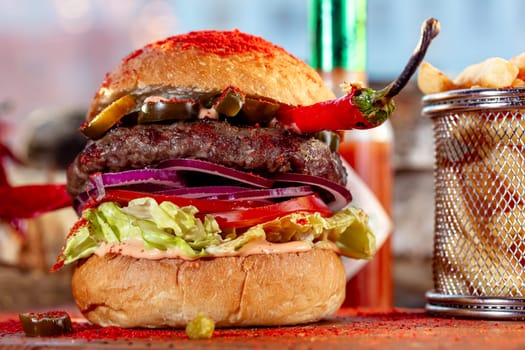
{"x": 201, "y": 166}
{"x": 266, "y": 193}
{"x": 203, "y": 191}
{"x": 174, "y": 177}
{"x": 82, "y": 199}
{"x": 161, "y": 177}
{"x": 335, "y": 196}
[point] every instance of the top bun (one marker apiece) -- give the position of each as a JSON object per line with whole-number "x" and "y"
{"x": 214, "y": 60}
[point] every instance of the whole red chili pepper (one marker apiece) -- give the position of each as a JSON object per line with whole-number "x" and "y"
{"x": 360, "y": 108}
{"x": 355, "y": 110}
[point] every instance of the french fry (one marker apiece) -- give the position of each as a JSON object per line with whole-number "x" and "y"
{"x": 483, "y": 248}
{"x": 518, "y": 82}
{"x": 519, "y": 61}
{"x": 508, "y": 162}
{"x": 431, "y": 80}
{"x": 505, "y": 130}
{"x": 466, "y": 137}
{"x": 472, "y": 258}
{"x": 494, "y": 72}
{"x": 488, "y": 270}
{"x": 506, "y": 229}
{"x": 448, "y": 254}
{"x": 469, "y": 260}
{"x": 483, "y": 190}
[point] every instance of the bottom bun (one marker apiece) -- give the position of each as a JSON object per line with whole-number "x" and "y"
{"x": 254, "y": 290}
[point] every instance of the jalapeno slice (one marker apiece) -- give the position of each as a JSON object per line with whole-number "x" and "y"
{"x": 258, "y": 110}
{"x": 229, "y": 103}
{"x": 151, "y": 112}
{"x": 330, "y": 138}
{"x": 180, "y": 104}
{"x": 46, "y": 324}
{"x": 108, "y": 117}
{"x": 201, "y": 327}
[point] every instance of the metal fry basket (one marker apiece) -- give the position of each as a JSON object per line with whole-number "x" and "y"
{"x": 479, "y": 191}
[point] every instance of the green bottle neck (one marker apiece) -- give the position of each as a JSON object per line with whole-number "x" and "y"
{"x": 338, "y": 34}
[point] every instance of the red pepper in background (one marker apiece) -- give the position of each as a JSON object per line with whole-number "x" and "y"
{"x": 360, "y": 108}
{"x": 25, "y": 202}
{"x": 29, "y": 201}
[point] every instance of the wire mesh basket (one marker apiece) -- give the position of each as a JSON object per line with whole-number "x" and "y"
{"x": 479, "y": 190}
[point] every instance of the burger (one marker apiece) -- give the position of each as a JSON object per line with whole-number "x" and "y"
{"x": 194, "y": 199}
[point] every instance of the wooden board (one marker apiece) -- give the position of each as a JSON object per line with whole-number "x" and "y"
{"x": 350, "y": 328}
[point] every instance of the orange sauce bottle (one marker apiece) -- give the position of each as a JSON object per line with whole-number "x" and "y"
{"x": 370, "y": 157}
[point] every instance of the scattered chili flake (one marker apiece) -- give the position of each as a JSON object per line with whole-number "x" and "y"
{"x": 133, "y": 55}
{"x": 221, "y": 43}
{"x": 10, "y": 327}
{"x": 61, "y": 257}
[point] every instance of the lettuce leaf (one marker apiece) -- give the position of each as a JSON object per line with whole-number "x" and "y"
{"x": 166, "y": 226}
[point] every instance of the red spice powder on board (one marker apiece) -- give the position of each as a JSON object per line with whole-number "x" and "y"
{"x": 361, "y": 323}
{"x": 351, "y": 327}
{"x": 91, "y": 332}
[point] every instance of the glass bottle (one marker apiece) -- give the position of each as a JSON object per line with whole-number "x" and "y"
{"x": 338, "y": 52}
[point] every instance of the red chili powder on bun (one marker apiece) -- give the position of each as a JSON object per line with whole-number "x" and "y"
{"x": 222, "y": 43}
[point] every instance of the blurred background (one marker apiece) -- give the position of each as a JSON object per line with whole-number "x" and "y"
{"x": 55, "y": 53}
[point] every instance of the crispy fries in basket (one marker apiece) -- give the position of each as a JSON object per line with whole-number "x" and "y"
{"x": 494, "y": 72}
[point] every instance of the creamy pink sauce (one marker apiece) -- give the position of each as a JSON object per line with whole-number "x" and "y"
{"x": 135, "y": 248}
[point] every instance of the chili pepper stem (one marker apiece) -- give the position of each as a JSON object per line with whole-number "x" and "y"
{"x": 374, "y": 105}
{"x": 377, "y": 106}
{"x": 429, "y": 30}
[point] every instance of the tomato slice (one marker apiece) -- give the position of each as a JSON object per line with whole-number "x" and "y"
{"x": 253, "y": 216}
{"x": 205, "y": 206}
{"x": 228, "y": 213}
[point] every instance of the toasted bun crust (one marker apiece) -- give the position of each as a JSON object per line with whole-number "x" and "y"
{"x": 214, "y": 60}
{"x": 254, "y": 290}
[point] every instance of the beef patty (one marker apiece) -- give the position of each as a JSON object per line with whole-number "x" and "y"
{"x": 255, "y": 149}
